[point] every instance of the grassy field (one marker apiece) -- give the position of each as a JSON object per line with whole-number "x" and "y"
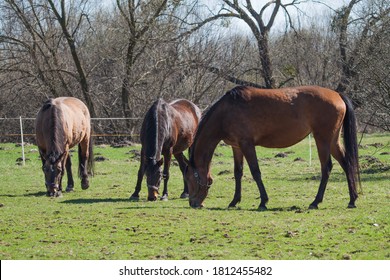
{"x": 102, "y": 223}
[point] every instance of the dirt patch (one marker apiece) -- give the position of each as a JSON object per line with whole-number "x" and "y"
{"x": 371, "y": 165}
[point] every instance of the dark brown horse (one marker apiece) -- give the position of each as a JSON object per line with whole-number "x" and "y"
{"x": 61, "y": 124}
{"x": 246, "y": 117}
{"x": 167, "y": 129}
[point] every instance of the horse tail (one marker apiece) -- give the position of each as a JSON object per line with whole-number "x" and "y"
{"x": 351, "y": 145}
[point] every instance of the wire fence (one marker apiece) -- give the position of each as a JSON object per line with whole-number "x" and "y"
{"x": 12, "y": 129}
{"x": 105, "y": 130}
{"x": 128, "y": 131}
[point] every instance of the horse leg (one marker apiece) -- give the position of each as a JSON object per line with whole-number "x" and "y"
{"x": 83, "y": 162}
{"x": 249, "y": 151}
{"x": 41, "y": 153}
{"x": 326, "y": 167}
{"x": 181, "y": 159}
{"x": 69, "y": 187}
{"x": 238, "y": 171}
{"x": 339, "y": 154}
{"x": 167, "y": 162}
{"x": 64, "y": 162}
{"x": 141, "y": 172}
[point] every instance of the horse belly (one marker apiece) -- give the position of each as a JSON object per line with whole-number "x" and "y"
{"x": 77, "y": 131}
{"x": 282, "y": 138}
{"x": 182, "y": 144}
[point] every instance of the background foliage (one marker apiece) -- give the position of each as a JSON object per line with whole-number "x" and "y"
{"x": 119, "y": 56}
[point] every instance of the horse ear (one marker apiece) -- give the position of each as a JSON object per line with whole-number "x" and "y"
{"x": 43, "y": 156}
{"x": 209, "y": 180}
{"x": 64, "y": 154}
{"x": 186, "y": 161}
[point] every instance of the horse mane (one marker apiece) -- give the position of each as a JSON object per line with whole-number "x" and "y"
{"x": 151, "y": 131}
{"x": 232, "y": 95}
{"x": 237, "y": 93}
{"x": 55, "y": 129}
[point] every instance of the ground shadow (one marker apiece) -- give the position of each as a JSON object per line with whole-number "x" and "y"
{"x": 36, "y": 194}
{"x": 94, "y": 200}
{"x": 24, "y": 195}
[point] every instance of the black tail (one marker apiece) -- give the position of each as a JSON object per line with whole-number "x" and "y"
{"x": 351, "y": 145}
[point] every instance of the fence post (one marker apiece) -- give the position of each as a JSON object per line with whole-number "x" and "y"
{"x": 310, "y": 149}
{"x": 21, "y": 133}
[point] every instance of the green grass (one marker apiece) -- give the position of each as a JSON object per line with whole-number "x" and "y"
{"x": 102, "y": 223}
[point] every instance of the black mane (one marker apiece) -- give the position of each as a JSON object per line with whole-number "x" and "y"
{"x": 237, "y": 92}
{"x": 150, "y": 133}
{"x": 55, "y": 131}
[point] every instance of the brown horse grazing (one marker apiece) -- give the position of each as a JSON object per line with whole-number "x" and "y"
{"x": 167, "y": 129}
{"x": 61, "y": 124}
{"x": 246, "y": 117}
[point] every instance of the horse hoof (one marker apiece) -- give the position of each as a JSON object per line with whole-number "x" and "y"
{"x": 84, "y": 184}
{"x": 69, "y": 189}
{"x": 234, "y": 203}
{"x": 262, "y": 208}
{"x": 311, "y": 206}
{"x": 55, "y": 194}
{"x": 351, "y": 206}
{"x": 164, "y": 198}
{"x": 134, "y": 198}
{"x": 184, "y": 195}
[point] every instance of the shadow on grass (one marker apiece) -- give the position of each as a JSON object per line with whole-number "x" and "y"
{"x": 35, "y": 194}
{"x": 94, "y": 200}
{"x": 24, "y": 195}
{"x": 269, "y": 210}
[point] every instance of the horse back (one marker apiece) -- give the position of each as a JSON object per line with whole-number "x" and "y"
{"x": 280, "y": 117}
{"x": 76, "y": 119}
{"x": 68, "y": 117}
{"x": 185, "y": 118}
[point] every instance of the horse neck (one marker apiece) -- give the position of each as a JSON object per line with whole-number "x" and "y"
{"x": 56, "y": 138}
{"x": 204, "y": 146}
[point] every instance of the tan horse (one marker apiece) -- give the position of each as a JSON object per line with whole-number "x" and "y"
{"x": 167, "y": 129}
{"x": 246, "y": 117}
{"x": 61, "y": 124}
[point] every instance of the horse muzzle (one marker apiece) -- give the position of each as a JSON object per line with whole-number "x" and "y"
{"x": 152, "y": 193}
{"x": 53, "y": 190}
{"x": 195, "y": 204}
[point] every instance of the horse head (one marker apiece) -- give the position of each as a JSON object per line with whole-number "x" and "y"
{"x": 153, "y": 177}
{"x": 198, "y": 185}
{"x": 53, "y": 169}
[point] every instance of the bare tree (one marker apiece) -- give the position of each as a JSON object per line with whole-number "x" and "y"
{"x": 362, "y": 27}
{"x": 30, "y": 46}
{"x": 260, "y": 21}
{"x": 138, "y": 24}
{"x": 62, "y": 16}
{"x": 308, "y": 55}
{"x": 30, "y": 30}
